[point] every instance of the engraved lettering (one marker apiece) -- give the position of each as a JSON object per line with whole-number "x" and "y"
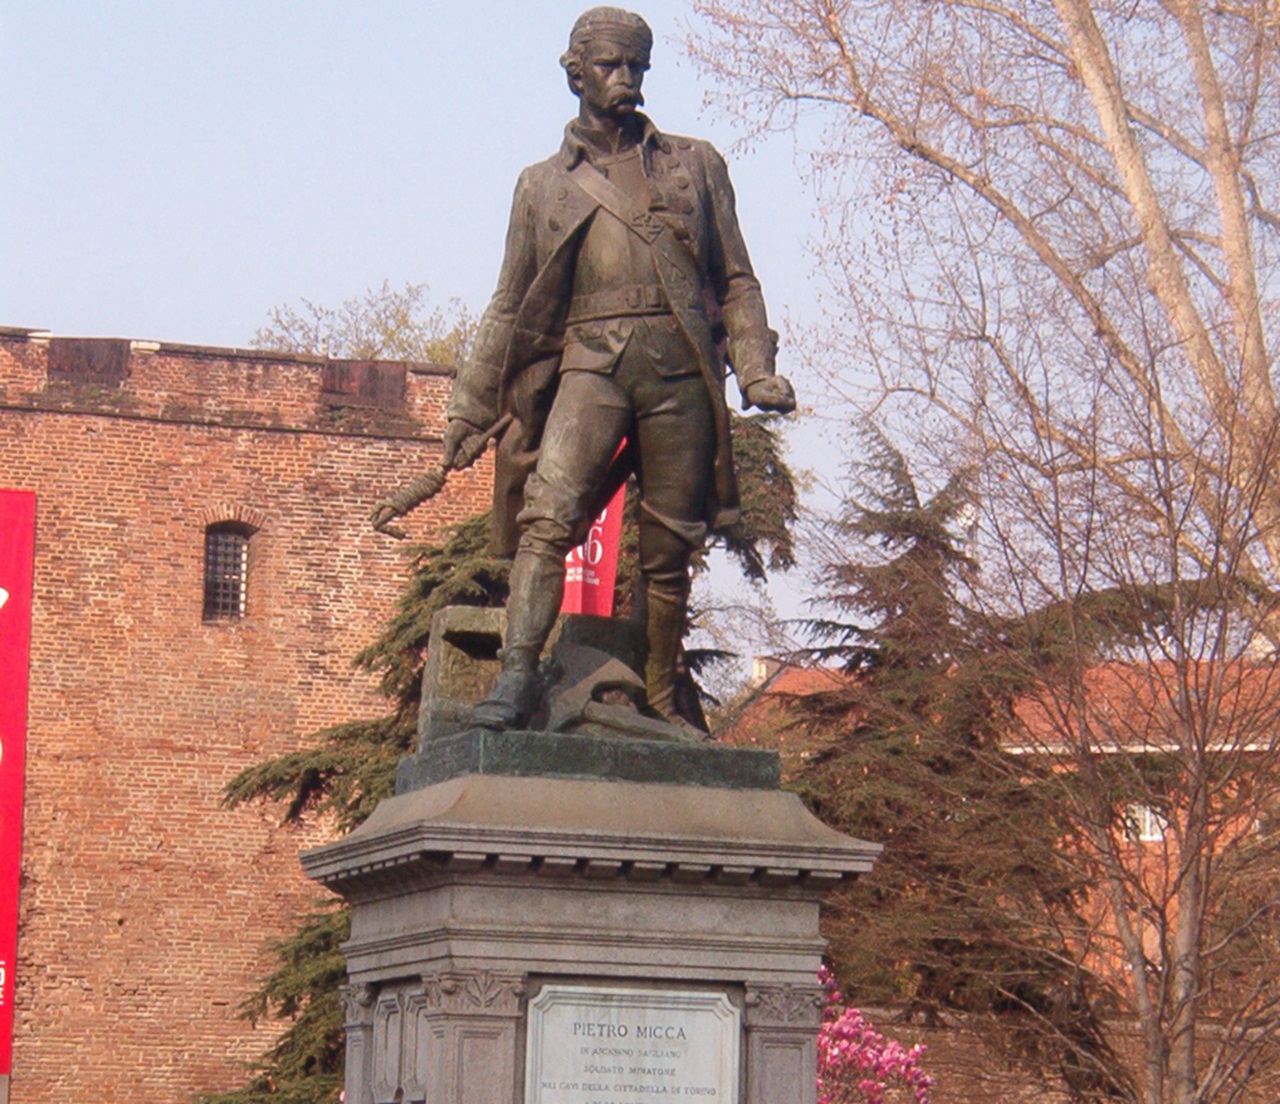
{"x": 600, "y": 1030}
{"x": 660, "y": 1031}
{"x": 601, "y": 1045}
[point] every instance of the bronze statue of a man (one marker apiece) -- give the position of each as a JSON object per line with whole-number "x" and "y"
{"x": 624, "y": 270}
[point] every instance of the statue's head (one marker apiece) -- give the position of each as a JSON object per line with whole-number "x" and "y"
{"x": 613, "y": 36}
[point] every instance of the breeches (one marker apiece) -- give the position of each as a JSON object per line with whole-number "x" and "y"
{"x": 672, "y": 426}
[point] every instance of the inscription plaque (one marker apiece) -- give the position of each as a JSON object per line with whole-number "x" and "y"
{"x": 631, "y": 1046}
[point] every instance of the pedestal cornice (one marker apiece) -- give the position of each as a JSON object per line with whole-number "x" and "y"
{"x": 591, "y": 829}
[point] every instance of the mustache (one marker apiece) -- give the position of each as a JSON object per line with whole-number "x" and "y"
{"x": 636, "y": 97}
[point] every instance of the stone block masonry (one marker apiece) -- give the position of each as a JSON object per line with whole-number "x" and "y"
{"x": 146, "y": 906}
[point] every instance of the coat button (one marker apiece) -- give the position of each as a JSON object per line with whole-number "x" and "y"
{"x": 554, "y": 223}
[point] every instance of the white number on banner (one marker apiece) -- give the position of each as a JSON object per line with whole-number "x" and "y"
{"x": 591, "y": 550}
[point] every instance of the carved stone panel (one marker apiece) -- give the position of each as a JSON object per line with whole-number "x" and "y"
{"x": 782, "y": 1069}
{"x": 782, "y": 1052}
{"x": 595, "y": 1044}
{"x": 479, "y": 992}
{"x": 388, "y": 1040}
{"x": 357, "y": 1006}
{"x": 784, "y": 1006}
{"x": 483, "y": 1063}
{"x": 461, "y": 1038}
{"x": 415, "y": 1063}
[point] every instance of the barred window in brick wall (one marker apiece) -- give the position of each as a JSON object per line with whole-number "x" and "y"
{"x": 1143, "y": 824}
{"x": 226, "y": 570}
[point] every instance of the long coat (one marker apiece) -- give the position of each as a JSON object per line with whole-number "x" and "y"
{"x": 514, "y": 365}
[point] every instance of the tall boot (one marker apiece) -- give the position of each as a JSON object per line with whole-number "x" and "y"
{"x": 537, "y": 591}
{"x": 664, "y": 630}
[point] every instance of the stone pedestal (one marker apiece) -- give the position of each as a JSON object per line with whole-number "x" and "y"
{"x": 477, "y": 895}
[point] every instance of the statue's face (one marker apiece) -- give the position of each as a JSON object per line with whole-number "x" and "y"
{"x": 611, "y": 76}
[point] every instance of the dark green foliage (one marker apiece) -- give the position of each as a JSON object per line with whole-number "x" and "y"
{"x": 971, "y": 908}
{"x": 462, "y": 572}
{"x": 352, "y": 766}
{"x": 305, "y": 1065}
{"x": 349, "y": 769}
{"x": 345, "y": 775}
{"x": 770, "y": 498}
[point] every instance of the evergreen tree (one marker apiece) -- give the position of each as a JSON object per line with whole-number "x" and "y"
{"x": 971, "y": 905}
{"x": 763, "y": 540}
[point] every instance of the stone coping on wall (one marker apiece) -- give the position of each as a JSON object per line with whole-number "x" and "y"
{"x": 216, "y": 386}
{"x": 218, "y": 352}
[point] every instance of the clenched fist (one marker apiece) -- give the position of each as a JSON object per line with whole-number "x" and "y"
{"x": 461, "y": 448}
{"x": 771, "y": 393}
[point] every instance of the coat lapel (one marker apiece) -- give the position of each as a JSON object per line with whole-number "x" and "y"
{"x": 562, "y": 212}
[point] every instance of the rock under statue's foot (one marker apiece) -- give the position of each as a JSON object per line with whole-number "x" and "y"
{"x": 685, "y": 727}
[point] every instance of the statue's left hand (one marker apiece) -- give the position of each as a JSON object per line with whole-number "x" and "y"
{"x": 771, "y": 393}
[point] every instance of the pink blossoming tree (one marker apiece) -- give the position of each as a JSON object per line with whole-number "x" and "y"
{"x": 856, "y": 1064}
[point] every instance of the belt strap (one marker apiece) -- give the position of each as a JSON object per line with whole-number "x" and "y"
{"x": 630, "y": 299}
{"x": 618, "y": 204}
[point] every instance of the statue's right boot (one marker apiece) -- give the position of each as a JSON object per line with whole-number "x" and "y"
{"x": 514, "y": 695}
{"x": 537, "y": 591}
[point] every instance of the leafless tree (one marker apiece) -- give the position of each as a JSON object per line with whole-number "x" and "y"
{"x": 1053, "y": 239}
{"x": 385, "y": 323}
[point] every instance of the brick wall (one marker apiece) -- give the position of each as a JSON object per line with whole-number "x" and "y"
{"x": 144, "y": 904}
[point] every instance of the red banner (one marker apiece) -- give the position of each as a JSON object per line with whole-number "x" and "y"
{"x": 592, "y": 568}
{"x": 17, "y": 553}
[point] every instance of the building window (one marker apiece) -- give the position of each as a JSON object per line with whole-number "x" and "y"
{"x": 226, "y": 570}
{"x": 1143, "y": 824}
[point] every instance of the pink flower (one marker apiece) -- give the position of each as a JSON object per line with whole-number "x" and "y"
{"x": 856, "y": 1064}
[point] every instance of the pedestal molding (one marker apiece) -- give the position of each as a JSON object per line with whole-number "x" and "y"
{"x": 550, "y": 939}
{"x": 357, "y": 1004}
{"x": 466, "y": 824}
{"x": 784, "y": 1006}
{"x": 483, "y": 991}
{"x": 418, "y": 866}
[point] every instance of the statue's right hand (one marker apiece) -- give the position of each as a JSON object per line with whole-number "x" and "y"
{"x": 457, "y": 436}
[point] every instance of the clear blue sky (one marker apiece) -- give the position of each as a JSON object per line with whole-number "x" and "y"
{"x": 172, "y": 170}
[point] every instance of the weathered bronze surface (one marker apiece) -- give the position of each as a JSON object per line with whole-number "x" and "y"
{"x": 625, "y": 287}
